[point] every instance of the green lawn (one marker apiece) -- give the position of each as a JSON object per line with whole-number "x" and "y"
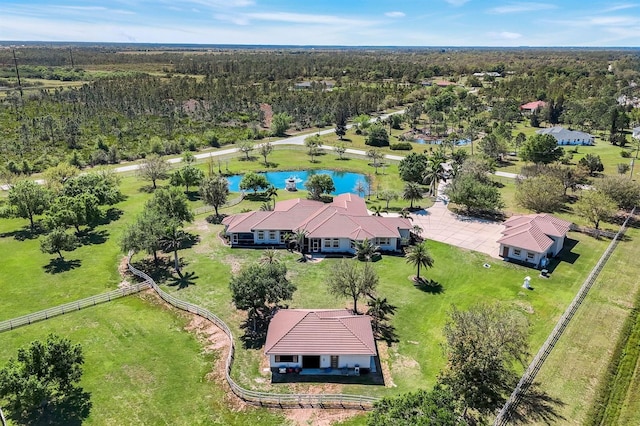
{"x": 141, "y": 366}
{"x": 577, "y": 364}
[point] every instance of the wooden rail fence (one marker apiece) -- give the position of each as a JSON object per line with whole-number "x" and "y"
{"x": 264, "y": 399}
{"x": 504, "y": 416}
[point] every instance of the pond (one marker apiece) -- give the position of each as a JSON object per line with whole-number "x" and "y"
{"x": 343, "y": 181}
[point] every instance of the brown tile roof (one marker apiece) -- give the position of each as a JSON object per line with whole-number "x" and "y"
{"x": 531, "y": 106}
{"x": 531, "y": 232}
{"x": 346, "y": 216}
{"x": 319, "y": 332}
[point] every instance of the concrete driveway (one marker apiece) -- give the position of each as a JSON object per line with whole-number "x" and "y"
{"x": 440, "y": 224}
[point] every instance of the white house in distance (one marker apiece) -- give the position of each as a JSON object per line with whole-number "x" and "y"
{"x": 568, "y": 137}
{"x": 330, "y": 227}
{"x": 532, "y": 238}
{"x": 320, "y": 341}
{"x": 635, "y": 133}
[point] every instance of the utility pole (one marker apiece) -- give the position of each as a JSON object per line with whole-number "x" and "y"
{"x": 15, "y": 62}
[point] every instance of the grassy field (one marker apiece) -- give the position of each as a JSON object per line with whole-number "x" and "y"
{"x": 142, "y": 367}
{"x": 577, "y": 364}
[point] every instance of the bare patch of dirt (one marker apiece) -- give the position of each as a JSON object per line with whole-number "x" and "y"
{"x": 383, "y": 354}
{"x": 234, "y": 263}
{"x": 123, "y": 270}
{"x": 268, "y": 115}
{"x": 318, "y": 416}
{"x": 524, "y": 306}
{"x": 213, "y": 338}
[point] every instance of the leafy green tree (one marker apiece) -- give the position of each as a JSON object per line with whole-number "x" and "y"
{"x": 188, "y": 176}
{"x": 365, "y": 249}
{"x": 438, "y": 407}
{"x": 362, "y": 122}
{"x": 473, "y": 194}
{"x": 418, "y": 256}
{"x": 214, "y": 191}
{"x": 340, "y": 150}
{"x": 56, "y": 176}
{"x": 388, "y": 195}
{"x": 104, "y": 185}
{"x": 258, "y": 289}
{"x": 348, "y": 279}
{"x": 265, "y": 150}
{"x": 624, "y": 191}
{"x": 432, "y": 175}
{"x": 375, "y": 156}
{"x": 171, "y": 204}
{"x": 280, "y": 124}
{"x": 73, "y": 211}
{"x": 319, "y": 184}
{"x": 27, "y": 199}
{"x": 313, "y": 144}
{"x": 492, "y": 146}
{"x": 482, "y": 346}
{"x": 43, "y": 377}
{"x": 412, "y": 167}
{"x": 378, "y": 136}
{"x": 341, "y": 116}
{"x": 541, "y": 149}
{"x": 144, "y": 234}
{"x": 542, "y": 193}
{"x": 253, "y": 181}
{"x": 412, "y": 192}
{"x": 153, "y": 168}
{"x": 58, "y": 241}
{"x": 592, "y": 163}
{"x": 595, "y": 206}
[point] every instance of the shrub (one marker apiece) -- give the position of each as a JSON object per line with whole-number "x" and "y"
{"x": 401, "y": 146}
{"x": 625, "y": 154}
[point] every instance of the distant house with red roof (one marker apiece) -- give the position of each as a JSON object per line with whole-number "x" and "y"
{"x": 329, "y": 227}
{"x": 444, "y": 83}
{"x": 531, "y": 107}
{"x": 532, "y": 238}
{"x": 324, "y": 339}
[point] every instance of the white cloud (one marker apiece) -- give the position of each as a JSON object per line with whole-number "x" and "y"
{"x": 457, "y": 3}
{"x": 395, "y": 14}
{"x": 505, "y": 35}
{"x": 301, "y": 18}
{"x": 521, "y": 7}
{"x": 617, "y": 7}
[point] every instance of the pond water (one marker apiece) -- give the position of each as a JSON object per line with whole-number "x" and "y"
{"x": 343, "y": 181}
{"x": 460, "y": 142}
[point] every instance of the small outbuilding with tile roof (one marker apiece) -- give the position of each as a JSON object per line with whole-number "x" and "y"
{"x": 320, "y": 340}
{"x": 533, "y": 238}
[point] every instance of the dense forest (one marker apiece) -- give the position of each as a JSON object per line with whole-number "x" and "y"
{"x": 128, "y": 103}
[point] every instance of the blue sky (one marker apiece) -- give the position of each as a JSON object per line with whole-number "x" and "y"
{"x": 327, "y": 22}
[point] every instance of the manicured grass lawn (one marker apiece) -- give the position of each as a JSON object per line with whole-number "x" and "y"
{"x": 578, "y": 362}
{"x": 417, "y": 358}
{"x": 141, "y": 366}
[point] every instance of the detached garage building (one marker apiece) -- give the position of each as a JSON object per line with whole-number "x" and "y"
{"x": 532, "y": 238}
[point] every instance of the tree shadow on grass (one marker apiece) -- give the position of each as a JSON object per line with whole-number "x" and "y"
{"x": 193, "y": 195}
{"x": 111, "y": 215}
{"x": 57, "y": 265}
{"x": 160, "y": 272}
{"x": 190, "y": 241}
{"x": 387, "y": 333}
{"x": 428, "y": 285}
{"x": 25, "y": 233}
{"x": 255, "y": 339}
{"x": 537, "y": 406}
{"x": 185, "y": 281}
{"x": 90, "y": 237}
{"x": 70, "y": 411}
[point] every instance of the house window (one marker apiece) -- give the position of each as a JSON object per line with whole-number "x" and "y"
{"x": 326, "y": 242}
{"x": 516, "y": 252}
{"x": 530, "y": 255}
{"x": 234, "y": 238}
{"x": 382, "y": 241}
{"x": 260, "y": 235}
{"x": 272, "y": 235}
{"x": 335, "y": 243}
{"x": 282, "y": 237}
{"x": 286, "y": 358}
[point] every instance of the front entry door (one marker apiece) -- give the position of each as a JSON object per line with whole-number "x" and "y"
{"x": 334, "y": 361}
{"x": 505, "y": 251}
{"x": 311, "y": 361}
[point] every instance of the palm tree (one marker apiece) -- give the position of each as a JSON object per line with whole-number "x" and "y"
{"x": 377, "y": 210}
{"x": 417, "y": 230}
{"x": 418, "y": 256}
{"x": 432, "y": 175}
{"x": 172, "y": 240}
{"x": 365, "y": 249}
{"x": 405, "y": 214}
{"x": 379, "y": 310}
{"x": 269, "y": 257}
{"x": 299, "y": 236}
{"x": 272, "y": 192}
{"x": 412, "y": 192}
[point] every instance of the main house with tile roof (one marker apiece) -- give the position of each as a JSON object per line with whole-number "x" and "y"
{"x": 532, "y": 238}
{"x": 329, "y": 227}
{"x": 568, "y": 137}
{"x": 324, "y": 339}
{"x": 532, "y": 107}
